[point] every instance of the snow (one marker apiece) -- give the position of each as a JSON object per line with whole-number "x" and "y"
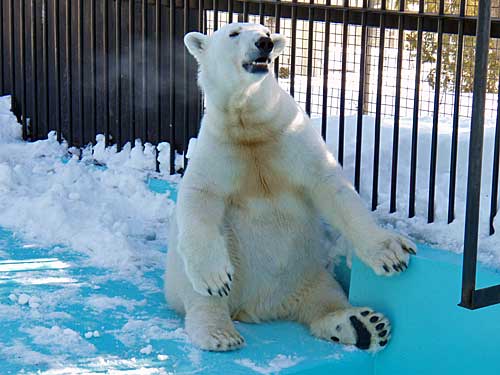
{"x": 147, "y": 350}
{"x": 280, "y": 362}
{"x": 102, "y": 303}
{"x": 439, "y": 234}
{"x": 108, "y": 214}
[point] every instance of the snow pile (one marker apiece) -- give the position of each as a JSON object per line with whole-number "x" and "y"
{"x": 440, "y": 234}
{"x": 51, "y": 197}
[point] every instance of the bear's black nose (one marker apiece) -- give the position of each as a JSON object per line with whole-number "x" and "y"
{"x": 265, "y": 44}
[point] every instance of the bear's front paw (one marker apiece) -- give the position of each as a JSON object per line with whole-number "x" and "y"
{"x": 212, "y": 277}
{"x": 217, "y": 339}
{"x": 389, "y": 254}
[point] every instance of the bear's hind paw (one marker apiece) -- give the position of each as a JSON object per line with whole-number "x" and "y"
{"x": 361, "y": 327}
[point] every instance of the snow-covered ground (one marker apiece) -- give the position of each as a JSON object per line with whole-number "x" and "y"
{"x": 82, "y": 246}
{"x": 439, "y": 234}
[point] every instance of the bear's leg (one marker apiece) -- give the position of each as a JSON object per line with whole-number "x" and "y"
{"x": 324, "y": 307}
{"x": 209, "y": 324}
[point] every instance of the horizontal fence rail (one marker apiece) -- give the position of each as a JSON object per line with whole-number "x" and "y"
{"x": 119, "y": 68}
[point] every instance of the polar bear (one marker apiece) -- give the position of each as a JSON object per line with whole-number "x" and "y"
{"x": 246, "y": 240}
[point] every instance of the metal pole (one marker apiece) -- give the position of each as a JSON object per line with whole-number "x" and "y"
{"x": 475, "y": 154}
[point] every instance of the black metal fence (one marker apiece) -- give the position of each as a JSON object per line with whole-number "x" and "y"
{"x": 119, "y": 68}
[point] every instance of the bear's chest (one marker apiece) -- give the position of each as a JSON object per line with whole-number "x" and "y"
{"x": 261, "y": 173}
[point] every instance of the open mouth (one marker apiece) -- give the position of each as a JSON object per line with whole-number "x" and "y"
{"x": 260, "y": 65}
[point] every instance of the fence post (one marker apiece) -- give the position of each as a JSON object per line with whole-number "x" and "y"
{"x": 476, "y": 154}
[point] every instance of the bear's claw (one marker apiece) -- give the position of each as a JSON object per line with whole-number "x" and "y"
{"x": 390, "y": 255}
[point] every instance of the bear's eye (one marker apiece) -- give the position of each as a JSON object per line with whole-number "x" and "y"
{"x": 234, "y": 34}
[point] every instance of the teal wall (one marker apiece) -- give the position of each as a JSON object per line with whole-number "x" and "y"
{"x": 431, "y": 334}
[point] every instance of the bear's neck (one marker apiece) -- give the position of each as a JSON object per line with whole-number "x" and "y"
{"x": 249, "y": 115}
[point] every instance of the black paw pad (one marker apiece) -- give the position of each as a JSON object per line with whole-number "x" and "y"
{"x": 365, "y": 313}
{"x": 379, "y": 326}
{"x": 386, "y": 268}
{"x": 383, "y": 333}
{"x": 363, "y": 335}
{"x": 335, "y": 339}
{"x": 383, "y": 343}
{"x": 209, "y": 291}
{"x": 374, "y": 319}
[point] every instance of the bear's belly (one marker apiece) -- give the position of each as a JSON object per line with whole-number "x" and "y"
{"x": 273, "y": 243}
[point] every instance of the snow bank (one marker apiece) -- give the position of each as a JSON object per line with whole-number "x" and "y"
{"x": 440, "y": 234}
{"x": 51, "y": 197}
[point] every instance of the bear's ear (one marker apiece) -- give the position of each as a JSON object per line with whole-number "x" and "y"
{"x": 279, "y": 44}
{"x": 195, "y": 43}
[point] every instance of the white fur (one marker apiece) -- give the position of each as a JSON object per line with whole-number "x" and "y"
{"x": 248, "y": 215}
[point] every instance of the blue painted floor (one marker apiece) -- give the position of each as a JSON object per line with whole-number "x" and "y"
{"x": 69, "y": 300}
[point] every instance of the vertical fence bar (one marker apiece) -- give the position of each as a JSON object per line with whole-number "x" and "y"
{"x": 378, "y": 109}
{"x": 361, "y": 97}
{"x": 118, "y": 73}
{"x": 456, "y": 115}
{"x": 131, "y": 70}
{"x": 144, "y": 69}
{"x": 435, "y": 118}
{"x": 397, "y": 110}
{"x": 105, "y": 47}
{"x": 22, "y": 54}
{"x": 69, "y": 70}
{"x": 343, "y": 79}
{"x": 2, "y": 78}
{"x": 326, "y": 57}
{"x": 216, "y": 14}
{"x": 245, "y": 11}
{"x": 293, "y": 46}
{"x": 261, "y": 12}
{"x": 93, "y": 66}
{"x": 186, "y": 85}
{"x": 310, "y": 44}
{"x": 34, "y": 72}
{"x": 496, "y": 162}
{"x": 476, "y": 154}
{"x": 201, "y": 29}
{"x": 80, "y": 71}
{"x": 158, "y": 75}
{"x": 416, "y": 103}
{"x": 45, "y": 58}
{"x": 230, "y": 10}
{"x": 172, "y": 85}
{"x": 277, "y": 15}
{"x": 57, "y": 71}
{"x": 11, "y": 57}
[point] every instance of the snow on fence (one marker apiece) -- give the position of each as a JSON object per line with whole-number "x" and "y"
{"x": 119, "y": 68}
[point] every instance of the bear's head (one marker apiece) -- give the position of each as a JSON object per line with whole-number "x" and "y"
{"x": 236, "y": 55}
